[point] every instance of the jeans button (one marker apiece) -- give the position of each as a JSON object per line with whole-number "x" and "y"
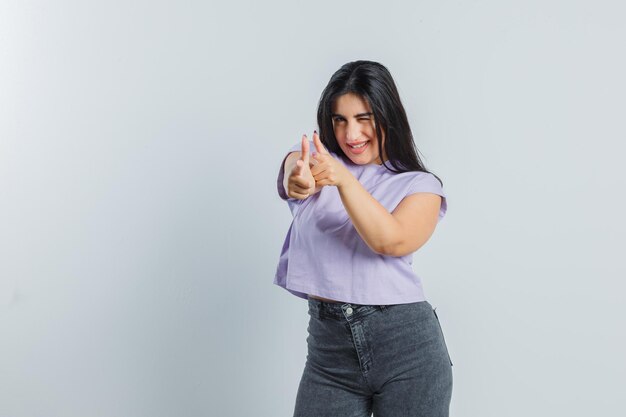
{"x": 349, "y": 310}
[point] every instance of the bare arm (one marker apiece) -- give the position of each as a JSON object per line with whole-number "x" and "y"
{"x": 399, "y": 233}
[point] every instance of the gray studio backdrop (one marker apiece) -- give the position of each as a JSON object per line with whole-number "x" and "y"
{"x": 140, "y": 225}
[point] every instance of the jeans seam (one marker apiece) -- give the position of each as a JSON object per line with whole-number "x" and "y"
{"x": 442, "y": 336}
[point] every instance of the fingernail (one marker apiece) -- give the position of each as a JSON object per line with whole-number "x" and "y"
{"x": 315, "y": 131}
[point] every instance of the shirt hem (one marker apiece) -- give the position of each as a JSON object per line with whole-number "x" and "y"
{"x": 303, "y": 292}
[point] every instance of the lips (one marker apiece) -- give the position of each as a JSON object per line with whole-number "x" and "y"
{"x": 356, "y": 143}
{"x": 360, "y": 150}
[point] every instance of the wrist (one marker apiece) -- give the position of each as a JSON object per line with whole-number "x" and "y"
{"x": 348, "y": 182}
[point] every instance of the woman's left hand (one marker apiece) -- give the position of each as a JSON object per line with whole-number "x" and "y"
{"x": 326, "y": 169}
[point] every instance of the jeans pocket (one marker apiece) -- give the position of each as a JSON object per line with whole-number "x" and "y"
{"x": 442, "y": 337}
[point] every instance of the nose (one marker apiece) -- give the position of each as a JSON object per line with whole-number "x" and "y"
{"x": 353, "y": 131}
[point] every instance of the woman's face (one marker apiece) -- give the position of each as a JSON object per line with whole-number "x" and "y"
{"x": 353, "y": 124}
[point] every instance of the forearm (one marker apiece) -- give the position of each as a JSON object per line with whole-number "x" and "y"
{"x": 376, "y": 226}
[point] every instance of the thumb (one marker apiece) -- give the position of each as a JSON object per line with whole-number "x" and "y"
{"x": 299, "y": 167}
{"x": 299, "y": 170}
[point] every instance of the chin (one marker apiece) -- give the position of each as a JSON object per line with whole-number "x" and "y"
{"x": 362, "y": 159}
{"x": 362, "y": 162}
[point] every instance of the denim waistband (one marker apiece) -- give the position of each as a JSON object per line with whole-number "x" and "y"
{"x": 323, "y": 309}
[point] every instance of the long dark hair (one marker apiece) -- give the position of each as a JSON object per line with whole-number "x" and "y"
{"x": 373, "y": 82}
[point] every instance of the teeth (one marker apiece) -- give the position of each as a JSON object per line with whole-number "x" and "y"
{"x": 359, "y": 146}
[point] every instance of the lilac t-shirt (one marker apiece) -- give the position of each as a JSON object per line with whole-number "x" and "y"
{"x": 324, "y": 255}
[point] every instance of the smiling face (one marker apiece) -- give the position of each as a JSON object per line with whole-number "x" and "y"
{"x": 353, "y": 124}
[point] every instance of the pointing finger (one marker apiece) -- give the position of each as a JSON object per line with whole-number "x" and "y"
{"x": 318, "y": 143}
{"x": 305, "y": 150}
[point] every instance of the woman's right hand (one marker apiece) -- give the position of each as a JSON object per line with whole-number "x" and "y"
{"x": 301, "y": 183}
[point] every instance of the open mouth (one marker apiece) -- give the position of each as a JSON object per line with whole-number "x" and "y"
{"x": 362, "y": 144}
{"x": 359, "y": 148}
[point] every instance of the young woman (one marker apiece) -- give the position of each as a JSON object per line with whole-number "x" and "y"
{"x": 362, "y": 204}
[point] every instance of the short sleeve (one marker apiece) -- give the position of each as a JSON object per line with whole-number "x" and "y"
{"x": 281, "y": 174}
{"x": 425, "y": 182}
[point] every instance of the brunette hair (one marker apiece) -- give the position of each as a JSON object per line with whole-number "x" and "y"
{"x": 373, "y": 82}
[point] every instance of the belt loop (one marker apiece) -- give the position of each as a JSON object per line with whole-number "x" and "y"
{"x": 383, "y": 307}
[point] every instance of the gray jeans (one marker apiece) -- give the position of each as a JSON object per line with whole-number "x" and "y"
{"x": 390, "y": 360}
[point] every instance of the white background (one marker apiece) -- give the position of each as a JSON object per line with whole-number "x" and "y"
{"x": 140, "y": 225}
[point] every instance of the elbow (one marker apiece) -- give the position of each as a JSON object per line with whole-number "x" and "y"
{"x": 404, "y": 242}
{"x": 390, "y": 245}
{"x": 391, "y": 251}
{"x": 388, "y": 249}
{"x": 378, "y": 248}
{"x": 397, "y": 249}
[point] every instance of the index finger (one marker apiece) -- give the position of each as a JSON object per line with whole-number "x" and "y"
{"x": 305, "y": 149}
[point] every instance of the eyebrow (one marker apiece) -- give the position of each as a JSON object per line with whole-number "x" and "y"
{"x": 356, "y": 115}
